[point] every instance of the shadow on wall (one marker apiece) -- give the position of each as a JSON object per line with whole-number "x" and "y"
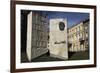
{"x": 24, "y": 29}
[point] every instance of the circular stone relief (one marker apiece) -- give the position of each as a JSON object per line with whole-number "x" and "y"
{"x": 61, "y": 26}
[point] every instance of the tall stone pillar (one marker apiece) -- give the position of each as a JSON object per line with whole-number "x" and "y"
{"x": 37, "y": 35}
{"x": 58, "y": 38}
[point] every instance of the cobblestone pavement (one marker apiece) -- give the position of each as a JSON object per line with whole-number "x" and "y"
{"x": 80, "y": 56}
{"x": 47, "y": 58}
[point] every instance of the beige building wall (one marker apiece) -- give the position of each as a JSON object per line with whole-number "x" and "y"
{"x": 77, "y": 37}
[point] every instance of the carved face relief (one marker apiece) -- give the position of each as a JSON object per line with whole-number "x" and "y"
{"x": 61, "y": 26}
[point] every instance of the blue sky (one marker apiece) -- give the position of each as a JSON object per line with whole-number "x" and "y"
{"x": 72, "y": 17}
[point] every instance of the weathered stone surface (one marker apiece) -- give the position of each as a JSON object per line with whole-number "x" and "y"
{"x": 58, "y": 38}
{"x": 36, "y": 35}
